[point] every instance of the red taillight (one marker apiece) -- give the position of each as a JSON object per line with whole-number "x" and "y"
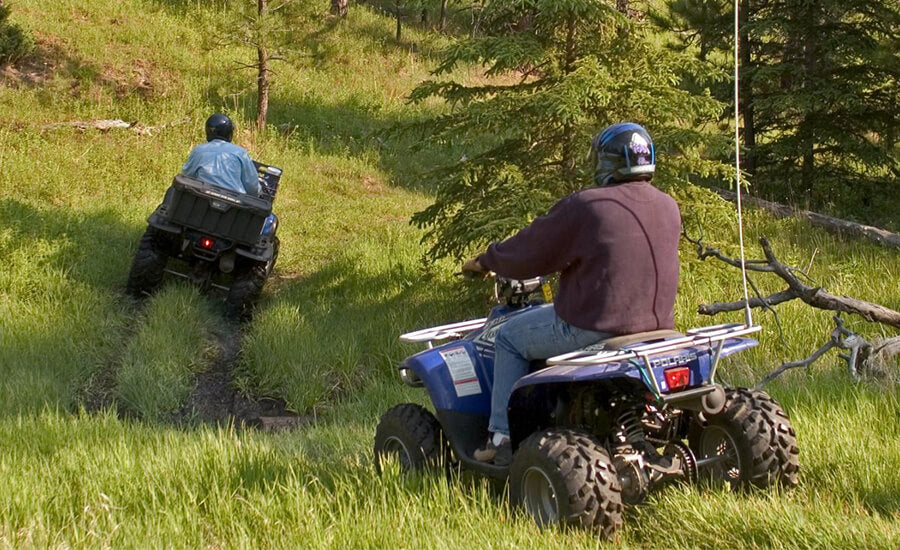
{"x": 677, "y": 378}
{"x": 207, "y": 243}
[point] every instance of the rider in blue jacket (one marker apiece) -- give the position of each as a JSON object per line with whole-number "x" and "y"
{"x": 220, "y": 162}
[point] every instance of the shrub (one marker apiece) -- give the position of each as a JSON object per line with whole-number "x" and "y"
{"x": 14, "y": 42}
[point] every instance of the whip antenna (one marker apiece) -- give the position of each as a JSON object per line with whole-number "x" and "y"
{"x": 748, "y": 318}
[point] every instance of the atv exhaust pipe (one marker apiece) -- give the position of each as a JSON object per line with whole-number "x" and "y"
{"x": 713, "y": 403}
{"x": 710, "y": 400}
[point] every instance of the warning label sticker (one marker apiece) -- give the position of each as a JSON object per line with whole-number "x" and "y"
{"x": 462, "y": 371}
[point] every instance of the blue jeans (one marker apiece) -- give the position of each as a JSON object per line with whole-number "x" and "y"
{"x": 535, "y": 334}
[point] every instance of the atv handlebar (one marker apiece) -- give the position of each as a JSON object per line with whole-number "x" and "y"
{"x": 518, "y": 292}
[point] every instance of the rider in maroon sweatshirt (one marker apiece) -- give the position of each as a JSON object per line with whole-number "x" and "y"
{"x": 616, "y": 248}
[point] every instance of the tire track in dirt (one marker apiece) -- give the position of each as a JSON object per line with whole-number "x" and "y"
{"x": 215, "y": 400}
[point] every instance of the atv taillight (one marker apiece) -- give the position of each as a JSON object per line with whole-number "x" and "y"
{"x": 678, "y": 378}
{"x": 207, "y": 243}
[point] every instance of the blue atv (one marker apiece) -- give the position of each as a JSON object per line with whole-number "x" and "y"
{"x": 594, "y": 430}
{"x": 221, "y": 240}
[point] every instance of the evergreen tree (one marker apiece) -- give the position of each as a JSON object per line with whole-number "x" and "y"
{"x": 820, "y": 84}
{"x": 558, "y": 71}
{"x": 14, "y": 42}
{"x": 827, "y": 101}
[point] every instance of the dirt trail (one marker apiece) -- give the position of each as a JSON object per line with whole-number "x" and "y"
{"x": 216, "y": 401}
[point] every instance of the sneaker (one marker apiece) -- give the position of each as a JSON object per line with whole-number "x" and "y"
{"x": 500, "y": 455}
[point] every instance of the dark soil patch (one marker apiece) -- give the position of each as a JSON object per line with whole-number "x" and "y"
{"x": 216, "y": 401}
{"x": 40, "y": 66}
{"x": 53, "y": 58}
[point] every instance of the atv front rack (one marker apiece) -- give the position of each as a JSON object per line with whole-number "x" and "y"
{"x": 443, "y": 332}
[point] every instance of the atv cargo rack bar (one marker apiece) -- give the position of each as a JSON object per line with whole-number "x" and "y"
{"x": 703, "y": 336}
{"x": 443, "y": 332}
{"x": 714, "y": 336}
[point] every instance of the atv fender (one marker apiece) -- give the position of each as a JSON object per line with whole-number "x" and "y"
{"x": 158, "y": 221}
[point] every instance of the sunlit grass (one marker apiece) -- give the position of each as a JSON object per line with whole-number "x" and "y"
{"x": 350, "y": 279}
{"x": 317, "y": 487}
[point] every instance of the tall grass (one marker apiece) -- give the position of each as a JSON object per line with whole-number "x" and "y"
{"x": 350, "y": 279}
{"x": 173, "y": 343}
{"x": 317, "y": 488}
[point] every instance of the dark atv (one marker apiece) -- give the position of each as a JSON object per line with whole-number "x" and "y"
{"x": 596, "y": 429}
{"x": 223, "y": 240}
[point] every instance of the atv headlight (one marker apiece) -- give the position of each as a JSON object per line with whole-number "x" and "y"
{"x": 410, "y": 378}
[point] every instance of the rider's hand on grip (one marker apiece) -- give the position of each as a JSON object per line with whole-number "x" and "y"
{"x": 473, "y": 268}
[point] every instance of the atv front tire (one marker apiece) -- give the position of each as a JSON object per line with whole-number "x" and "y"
{"x": 413, "y": 436}
{"x": 148, "y": 264}
{"x": 566, "y": 477}
{"x": 754, "y": 438}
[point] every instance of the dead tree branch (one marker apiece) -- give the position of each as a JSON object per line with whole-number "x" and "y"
{"x": 813, "y": 295}
{"x": 107, "y": 124}
{"x": 841, "y": 338}
{"x": 861, "y": 360}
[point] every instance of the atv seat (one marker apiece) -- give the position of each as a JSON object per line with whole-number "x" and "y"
{"x": 619, "y": 342}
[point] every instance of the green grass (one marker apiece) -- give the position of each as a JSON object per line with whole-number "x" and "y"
{"x": 350, "y": 279}
{"x": 317, "y": 488}
{"x": 155, "y": 374}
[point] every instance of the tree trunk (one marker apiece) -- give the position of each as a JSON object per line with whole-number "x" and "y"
{"x": 443, "y": 15}
{"x": 569, "y": 155}
{"x": 262, "y": 81}
{"x": 339, "y": 7}
{"x": 746, "y": 90}
{"x": 835, "y": 225}
{"x": 622, "y": 6}
{"x": 811, "y": 55}
{"x": 398, "y": 12}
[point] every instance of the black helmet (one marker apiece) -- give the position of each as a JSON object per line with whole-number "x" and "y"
{"x": 623, "y": 152}
{"x": 219, "y": 126}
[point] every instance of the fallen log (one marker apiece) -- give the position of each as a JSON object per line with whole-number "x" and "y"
{"x": 876, "y": 234}
{"x": 105, "y": 125}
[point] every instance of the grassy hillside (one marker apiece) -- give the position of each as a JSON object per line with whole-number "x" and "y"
{"x": 350, "y": 278}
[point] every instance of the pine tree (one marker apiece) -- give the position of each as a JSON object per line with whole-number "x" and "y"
{"x": 558, "y": 71}
{"x": 820, "y": 95}
{"x": 14, "y": 42}
{"x": 827, "y": 98}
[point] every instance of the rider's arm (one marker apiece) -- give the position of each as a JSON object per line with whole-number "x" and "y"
{"x": 190, "y": 166}
{"x": 249, "y": 176}
{"x": 542, "y": 248}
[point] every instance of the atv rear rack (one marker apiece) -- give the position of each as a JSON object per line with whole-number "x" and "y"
{"x": 703, "y": 336}
{"x": 640, "y": 354}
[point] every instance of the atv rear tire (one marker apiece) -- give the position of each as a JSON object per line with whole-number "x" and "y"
{"x": 413, "y": 435}
{"x": 148, "y": 264}
{"x": 245, "y": 291}
{"x": 566, "y": 477}
{"x": 756, "y": 435}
